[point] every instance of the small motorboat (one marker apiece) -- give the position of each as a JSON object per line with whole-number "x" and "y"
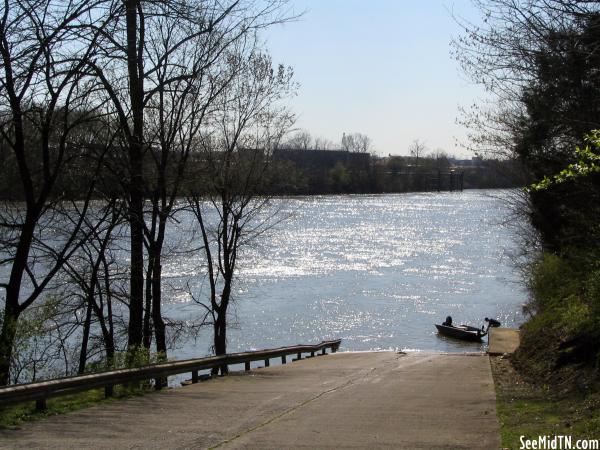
{"x": 465, "y": 332}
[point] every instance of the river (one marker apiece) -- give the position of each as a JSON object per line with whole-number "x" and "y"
{"x": 375, "y": 270}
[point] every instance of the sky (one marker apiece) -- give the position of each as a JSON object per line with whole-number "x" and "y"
{"x": 380, "y": 67}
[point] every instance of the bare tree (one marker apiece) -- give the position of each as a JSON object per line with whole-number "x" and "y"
{"x": 144, "y": 71}
{"x": 300, "y": 140}
{"x": 45, "y": 100}
{"x": 540, "y": 64}
{"x": 417, "y": 149}
{"x": 189, "y": 77}
{"x": 322, "y": 143}
{"x": 152, "y": 49}
{"x": 356, "y": 142}
{"x": 246, "y": 126}
{"x": 441, "y": 158}
{"x": 187, "y": 80}
{"x": 511, "y": 53}
{"x": 92, "y": 273}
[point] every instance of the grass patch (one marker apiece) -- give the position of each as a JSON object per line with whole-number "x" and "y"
{"x": 525, "y": 409}
{"x": 12, "y": 416}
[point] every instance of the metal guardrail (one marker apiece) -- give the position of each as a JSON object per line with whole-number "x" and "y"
{"x": 42, "y": 390}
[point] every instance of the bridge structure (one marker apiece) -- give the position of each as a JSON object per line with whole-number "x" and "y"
{"x": 452, "y": 180}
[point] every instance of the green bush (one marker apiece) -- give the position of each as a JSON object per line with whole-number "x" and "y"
{"x": 564, "y": 329}
{"x": 137, "y": 357}
{"x": 550, "y": 281}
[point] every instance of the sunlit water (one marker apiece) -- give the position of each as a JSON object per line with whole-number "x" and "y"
{"x": 376, "y": 271}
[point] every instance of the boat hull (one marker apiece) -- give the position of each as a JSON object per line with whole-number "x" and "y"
{"x": 464, "y": 333}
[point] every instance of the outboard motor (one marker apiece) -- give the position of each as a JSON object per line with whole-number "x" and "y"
{"x": 492, "y": 322}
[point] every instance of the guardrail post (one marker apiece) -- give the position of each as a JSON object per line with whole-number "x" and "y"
{"x": 323, "y": 351}
{"x": 267, "y": 362}
{"x": 108, "y": 391}
{"x": 247, "y": 366}
{"x": 299, "y": 356}
{"x": 40, "y": 405}
{"x": 194, "y": 376}
{"x": 312, "y": 354}
{"x": 159, "y": 383}
{"x": 283, "y": 360}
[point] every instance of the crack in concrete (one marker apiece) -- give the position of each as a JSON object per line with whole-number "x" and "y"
{"x": 293, "y": 409}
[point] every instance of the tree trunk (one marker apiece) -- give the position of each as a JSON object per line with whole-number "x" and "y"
{"x": 159, "y": 323}
{"x": 86, "y": 335}
{"x": 136, "y": 301}
{"x": 136, "y": 197}
{"x": 109, "y": 346}
{"x": 12, "y": 309}
{"x": 108, "y": 335}
{"x": 220, "y": 338}
{"x": 157, "y": 320}
{"x": 148, "y": 301}
{"x": 107, "y": 332}
{"x": 7, "y": 340}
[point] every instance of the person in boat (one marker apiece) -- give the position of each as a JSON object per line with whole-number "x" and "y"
{"x": 448, "y": 322}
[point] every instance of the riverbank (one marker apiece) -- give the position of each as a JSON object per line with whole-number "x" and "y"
{"x": 551, "y": 385}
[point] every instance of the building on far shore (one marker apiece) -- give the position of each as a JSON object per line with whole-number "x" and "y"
{"x": 324, "y": 171}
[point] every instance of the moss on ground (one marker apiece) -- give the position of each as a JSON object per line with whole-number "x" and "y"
{"x": 14, "y": 415}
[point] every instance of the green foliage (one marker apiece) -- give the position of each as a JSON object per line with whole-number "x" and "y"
{"x": 588, "y": 162}
{"x": 592, "y": 291}
{"x": 557, "y": 296}
{"x": 13, "y": 415}
{"x": 563, "y": 334}
{"x": 551, "y": 279}
{"x": 35, "y": 345}
{"x": 340, "y": 177}
{"x": 573, "y": 316}
{"x": 136, "y": 357}
{"x": 539, "y": 415}
{"x": 565, "y": 206}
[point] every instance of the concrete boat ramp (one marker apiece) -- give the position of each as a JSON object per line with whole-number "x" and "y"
{"x": 359, "y": 400}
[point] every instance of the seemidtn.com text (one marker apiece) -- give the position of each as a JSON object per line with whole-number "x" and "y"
{"x": 559, "y": 442}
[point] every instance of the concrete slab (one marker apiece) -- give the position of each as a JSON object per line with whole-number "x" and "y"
{"x": 504, "y": 340}
{"x": 346, "y": 400}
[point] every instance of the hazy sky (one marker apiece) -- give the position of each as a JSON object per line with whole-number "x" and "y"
{"x": 379, "y": 67}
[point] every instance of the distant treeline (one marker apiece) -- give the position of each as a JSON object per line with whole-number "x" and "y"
{"x": 310, "y": 172}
